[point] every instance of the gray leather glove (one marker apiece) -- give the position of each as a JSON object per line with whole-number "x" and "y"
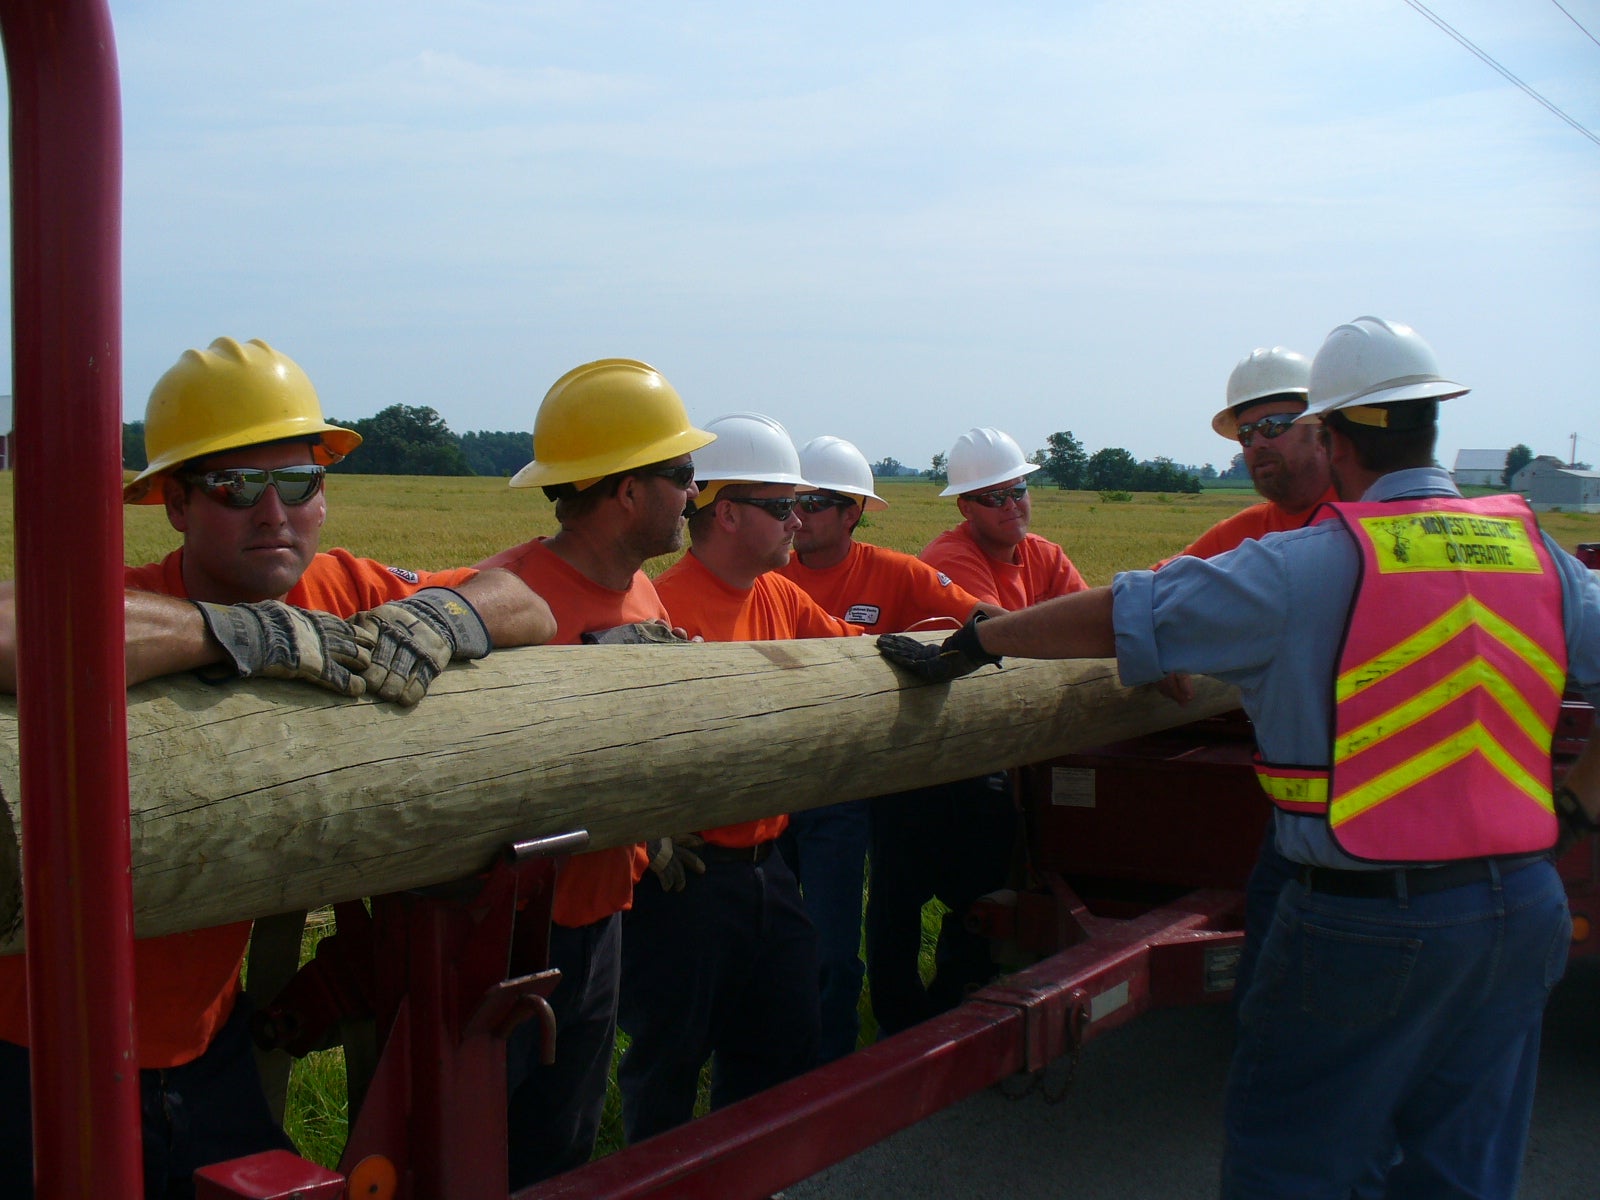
{"x": 415, "y": 638}
{"x": 640, "y": 633}
{"x": 959, "y": 654}
{"x": 279, "y": 641}
{"x": 672, "y": 860}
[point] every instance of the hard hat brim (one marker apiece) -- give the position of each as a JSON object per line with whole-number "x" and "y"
{"x": 1015, "y": 472}
{"x": 537, "y": 474}
{"x": 335, "y": 444}
{"x": 1432, "y": 389}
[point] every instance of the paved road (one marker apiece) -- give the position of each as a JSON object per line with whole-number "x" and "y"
{"x": 1142, "y": 1122}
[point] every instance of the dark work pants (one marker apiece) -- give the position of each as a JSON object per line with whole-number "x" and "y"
{"x": 953, "y": 842}
{"x": 206, "y": 1111}
{"x": 555, "y": 1111}
{"x": 827, "y": 847}
{"x": 725, "y": 969}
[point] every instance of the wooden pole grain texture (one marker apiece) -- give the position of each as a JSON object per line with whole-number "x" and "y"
{"x": 259, "y": 797}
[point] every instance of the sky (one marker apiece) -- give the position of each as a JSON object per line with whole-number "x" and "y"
{"x": 889, "y": 222}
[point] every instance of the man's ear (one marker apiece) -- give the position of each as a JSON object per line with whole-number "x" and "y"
{"x": 176, "y": 499}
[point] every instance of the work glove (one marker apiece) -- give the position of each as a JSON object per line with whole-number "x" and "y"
{"x": 279, "y": 641}
{"x": 641, "y": 633}
{"x": 415, "y": 638}
{"x": 1576, "y": 824}
{"x": 959, "y": 654}
{"x": 672, "y": 860}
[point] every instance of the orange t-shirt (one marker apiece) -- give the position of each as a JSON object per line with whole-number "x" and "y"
{"x": 882, "y": 590}
{"x": 772, "y": 610}
{"x": 592, "y": 886}
{"x": 185, "y": 984}
{"x": 1250, "y": 524}
{"x": 1042, "y": 570}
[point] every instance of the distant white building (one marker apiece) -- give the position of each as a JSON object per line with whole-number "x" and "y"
{"x": 1480, "y": 468}
{"x": 1550, "y": 485}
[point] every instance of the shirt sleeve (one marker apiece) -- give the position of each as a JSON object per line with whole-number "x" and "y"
{"x": 1226, "y": 616}
{"x": 1580, "y": 597}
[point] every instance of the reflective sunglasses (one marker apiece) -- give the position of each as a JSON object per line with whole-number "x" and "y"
{"x": 815, "y": 502}
{"x": 1271, "y": 427}
{"x": 680, "y": 475}
{"x": 1000, "y": 496}
{"x": 243, "y": 487}
{"x": 778, "y": 510}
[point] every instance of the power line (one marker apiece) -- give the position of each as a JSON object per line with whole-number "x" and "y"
{"x": 1576, "y": 22}
{"x": 1490, "y": 61}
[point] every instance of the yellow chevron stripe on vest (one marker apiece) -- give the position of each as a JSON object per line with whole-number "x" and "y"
{"x": 1476, "y": 673}
{"x": 1433, "y": 760}
{"x": 1470, "y": 611}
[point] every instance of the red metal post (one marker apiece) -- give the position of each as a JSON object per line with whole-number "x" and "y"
{"x": 66, "y": 187}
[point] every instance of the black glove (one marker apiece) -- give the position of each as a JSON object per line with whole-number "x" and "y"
{"x": 279, "y": 641}
{"x": 672, "y": 860}
{"x": 1576, "y": 824}
{"x": 960, "y": 654}
{"x": 641, "y": 633}
{"x": 415, "y": 638}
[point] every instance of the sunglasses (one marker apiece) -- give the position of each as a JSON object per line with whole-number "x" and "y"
{"x": 1000, "y": 496}
{"x": 778, "y": 510}
{"x": 243, "y": 487}
{"x": 815, "y": 502}
{"x": 1271, "y": 427}
{"x": 680, "y": 475}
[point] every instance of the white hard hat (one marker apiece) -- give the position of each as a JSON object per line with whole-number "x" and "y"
{"x": 835, "y": 465}
{"x": 981, "y": 458}
{"x": 750, "y": 448}
{"x": 1262, "y": 375}
{"x": 1373, "y": 361}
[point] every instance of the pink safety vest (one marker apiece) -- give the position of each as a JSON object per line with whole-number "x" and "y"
{"x": 1448, "y": 687}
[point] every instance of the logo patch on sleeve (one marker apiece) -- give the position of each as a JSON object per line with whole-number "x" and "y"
{"x": 863, "y": 614}
{"x": 402, "y": 573}
{"x": 944, "y": 580}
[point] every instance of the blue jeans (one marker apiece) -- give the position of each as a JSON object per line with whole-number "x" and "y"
{"x": 827, "y": 848}
{"x": 555, "y": 1111}
{"x": 1380, "y": 1027}
{"x": 206, "y": 1111}
{"x": 725, "y": 969}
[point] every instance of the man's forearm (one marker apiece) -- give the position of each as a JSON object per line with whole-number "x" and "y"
{"x": 1075, "y": 626}
{"x": 165, "y": 635}
{"x": 513, "y": 613}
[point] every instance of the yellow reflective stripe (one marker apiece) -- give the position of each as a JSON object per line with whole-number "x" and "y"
{"x": 1433, "y": 760}
{"x": 1430, "y": 637}
{"x": 1296, "y": 789}
{"x": 1476, "y": 673}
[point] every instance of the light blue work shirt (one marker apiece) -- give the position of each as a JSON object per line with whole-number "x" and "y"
{"x": 1269, "y": 617}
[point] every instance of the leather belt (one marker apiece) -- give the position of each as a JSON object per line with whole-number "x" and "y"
{"x": 712, "y": 853}
{"x": 1412, "y": 881}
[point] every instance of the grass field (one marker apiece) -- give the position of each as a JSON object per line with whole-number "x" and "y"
{"x": 430, "y": 523}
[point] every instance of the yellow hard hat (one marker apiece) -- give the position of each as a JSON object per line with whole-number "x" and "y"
{"x": 225, "y": 397}
{"x": 604, "y": 417}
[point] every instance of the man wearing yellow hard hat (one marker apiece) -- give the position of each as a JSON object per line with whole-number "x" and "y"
{"x": 611, "y": 447}
{"x": 237, "y": 448}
